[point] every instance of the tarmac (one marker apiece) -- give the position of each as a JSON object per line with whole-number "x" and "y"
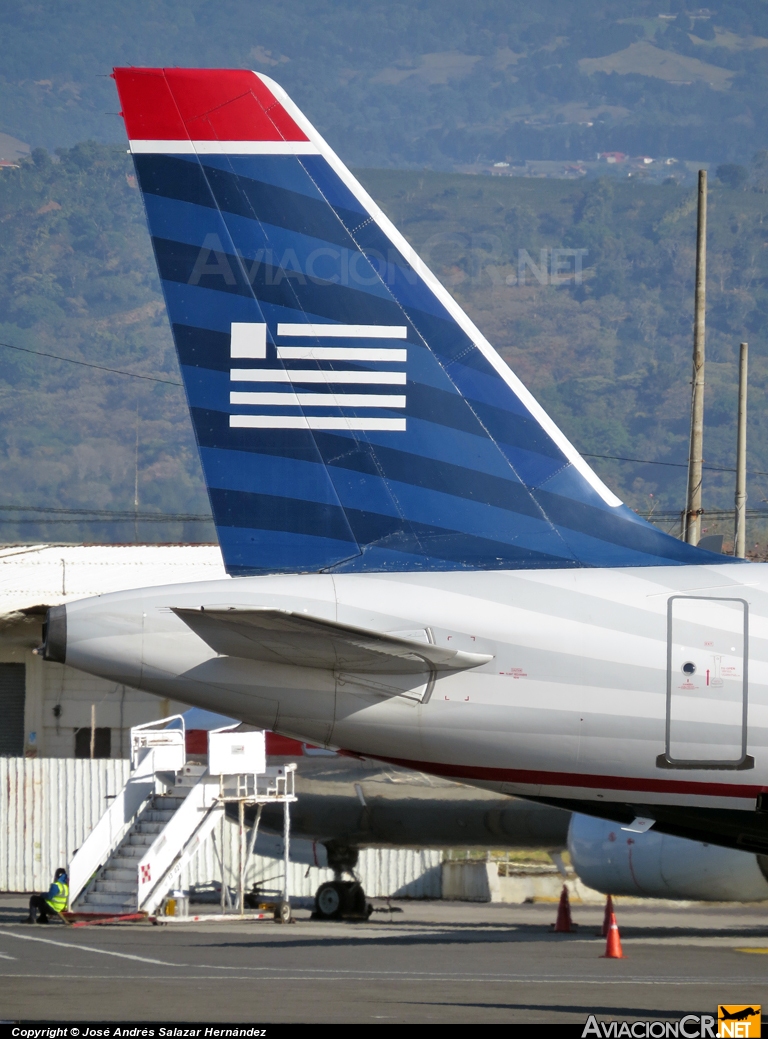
{"x": 433, "y": 962}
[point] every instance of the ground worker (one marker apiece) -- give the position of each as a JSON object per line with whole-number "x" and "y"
{"x": 56, "y": 900}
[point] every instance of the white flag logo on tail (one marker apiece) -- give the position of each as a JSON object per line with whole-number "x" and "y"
{"x": 317, "y": 389}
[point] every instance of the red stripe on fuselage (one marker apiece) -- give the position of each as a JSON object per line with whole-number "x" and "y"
{"x": 201, "y": 105}
{"x": 530, "y": 777}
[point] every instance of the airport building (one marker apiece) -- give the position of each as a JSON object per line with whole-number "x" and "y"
{"x": 48, "y": 707}
{"x": 51, "y": 800}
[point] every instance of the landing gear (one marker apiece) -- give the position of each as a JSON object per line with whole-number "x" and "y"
{"x": 329, "y": 900}
{"x": 340, "y": 899}
{"x": 357, "y": 906}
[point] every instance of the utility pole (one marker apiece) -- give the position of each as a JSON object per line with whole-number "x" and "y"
{"x": 695, "y": 459}
{"x": 136, "y": 482}
{"x": 740, "y": 528}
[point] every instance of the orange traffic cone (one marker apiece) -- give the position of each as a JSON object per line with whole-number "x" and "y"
{"x": 613, "y": 944}
{"x": 563, "y": 924}
{"x": 607, "y": 917}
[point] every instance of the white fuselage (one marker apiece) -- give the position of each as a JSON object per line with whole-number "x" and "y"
{"x": 573, "y": 705}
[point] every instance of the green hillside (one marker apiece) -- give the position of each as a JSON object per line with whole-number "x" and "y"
{"x": 438, "y": 83}
{"x": 77, "y": 278}
{"x": 607, "y": 352}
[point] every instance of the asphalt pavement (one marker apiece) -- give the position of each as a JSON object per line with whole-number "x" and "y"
{"x": 433, "y": 962}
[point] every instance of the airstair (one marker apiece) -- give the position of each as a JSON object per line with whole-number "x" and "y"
{"x": 165, "y": 813}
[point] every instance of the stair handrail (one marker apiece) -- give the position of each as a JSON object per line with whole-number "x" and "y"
{"x": 111, "y": 827}
{"x": 169, "y": 744}
{"x": 171, "y": 841}
{"x": 184, "y": 858}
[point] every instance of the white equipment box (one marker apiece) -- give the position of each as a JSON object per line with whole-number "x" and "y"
{"x": 236, "y": 753}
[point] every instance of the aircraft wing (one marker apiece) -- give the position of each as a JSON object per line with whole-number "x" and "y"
{"x": 285, "y": 637}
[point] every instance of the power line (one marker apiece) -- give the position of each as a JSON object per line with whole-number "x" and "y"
{"x": 43, "y": 522}
{"x": 643, "y": 461}
{"x": 707, "y": 513}
{"x": 88, "y": 364}
{"x": 677, "y": 465}
{"x": 169, "y": 382}
{"x": 97, "y": 515}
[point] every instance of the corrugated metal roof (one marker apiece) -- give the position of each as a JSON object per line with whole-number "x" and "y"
{"x": 46, "y": 575}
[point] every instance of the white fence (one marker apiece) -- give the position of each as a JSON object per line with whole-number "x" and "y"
{"x": 384, "y": 872}
{"x": 48, "y": 806}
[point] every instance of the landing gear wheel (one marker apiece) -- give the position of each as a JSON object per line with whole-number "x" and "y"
{"x": 355, "y": 901}
{"x": 341, "y": 899}
{"x": 283, "y": 913}
{"x": 329, "y": 900}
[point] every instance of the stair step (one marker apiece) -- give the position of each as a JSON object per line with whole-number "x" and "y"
{"x": 141, "y": 840}
{"x": 146, "y": 826}
{"x": 153, "y": 815}
{"x": 100, "y": 898}
{"x": 119, "y": 872}
{"x": 168, "y": 804}
{"x": 119, "y": 887}
{"x": 105, "y": 907}
{"x": 129, "y": 851}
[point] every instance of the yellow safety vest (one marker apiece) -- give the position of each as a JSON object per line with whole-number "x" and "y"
{"x": 59, "y": 901}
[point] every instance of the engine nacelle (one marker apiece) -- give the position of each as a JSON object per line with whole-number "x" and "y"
{"x": 655, "y": 865}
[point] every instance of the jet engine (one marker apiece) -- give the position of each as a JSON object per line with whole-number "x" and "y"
{"x": 619, "y": 862}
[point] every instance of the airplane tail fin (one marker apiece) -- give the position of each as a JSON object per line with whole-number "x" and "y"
{"x": 349, "y": 415}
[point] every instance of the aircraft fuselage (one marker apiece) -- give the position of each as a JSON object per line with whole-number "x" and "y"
{"x": 640, "y": 686}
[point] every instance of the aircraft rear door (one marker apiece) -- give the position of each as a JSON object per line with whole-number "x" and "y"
{"x": 707, "y": 687}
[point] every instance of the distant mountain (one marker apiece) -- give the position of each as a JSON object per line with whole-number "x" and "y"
{"x": 585, "y": 288}
{"x": 439, "y": 84}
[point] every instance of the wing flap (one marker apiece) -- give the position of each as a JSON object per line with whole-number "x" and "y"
{"x": 285, "y": 637}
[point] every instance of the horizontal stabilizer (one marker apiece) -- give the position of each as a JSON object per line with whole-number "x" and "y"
{"x": 283, "y": 637}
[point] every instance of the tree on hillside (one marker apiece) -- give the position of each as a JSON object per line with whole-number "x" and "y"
{"x": 732, "y": 175}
